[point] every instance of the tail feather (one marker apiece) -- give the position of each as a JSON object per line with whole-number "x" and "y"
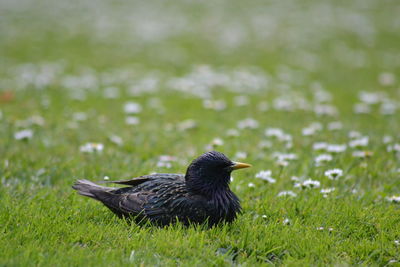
{"x": 103, "y": 194}
{"x": 89, "y": 189}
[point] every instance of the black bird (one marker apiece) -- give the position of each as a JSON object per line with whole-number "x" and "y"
{"x": 202, "y": 195}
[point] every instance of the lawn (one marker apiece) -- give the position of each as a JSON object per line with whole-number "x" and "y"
{"x": 306, "y": 91}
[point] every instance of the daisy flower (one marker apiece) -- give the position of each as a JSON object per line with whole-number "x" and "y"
{"x": 287, "y": 193}
{"x": 116, "y": 140}
{"x": 362, "y": 154}
{"x": 240, "y": 155}
{"x": 387, "y": 139}
{"x": 334, "y": 174}
{"x": 360, "y": 142}
{"x": 266, "y": 176}
{"x": 320, "y": 146}
{"x": 248, "y": 123}
{"x": 217, "y": 142}
{"x": 309, "y": 183}
{"x": 132, "y": 120}
{"x": 232, "y": 133}
{"x": 165, "y": 161}
{"x": 333, "y": 148}
{"x": 23, "y": 134}
{"x": 326, "y": 191}
{"x": 393, "y": 199}
{"x": 323, "y": 158}
{"x": 362, "y": 108}
{"x": 132, "y": 108}
{"x": 91, "y": 147}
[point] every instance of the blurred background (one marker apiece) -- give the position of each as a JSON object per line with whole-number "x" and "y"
{"x": 144, "y": 74}
{"x": 174, "y": 36}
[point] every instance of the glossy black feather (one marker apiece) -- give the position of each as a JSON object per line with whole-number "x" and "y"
{"x": 202, "y": 195}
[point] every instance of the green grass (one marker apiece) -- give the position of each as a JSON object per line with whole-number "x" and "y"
{"x": 344, "y": 47}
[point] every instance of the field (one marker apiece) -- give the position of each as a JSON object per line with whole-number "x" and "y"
{"x": 306, "y": 91}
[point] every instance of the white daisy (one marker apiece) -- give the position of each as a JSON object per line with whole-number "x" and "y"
{"x": 214, "y": 104}
{"x": 132, "y": 108}
{"x": 282, "y": 163}
{"x": 295, "y": 179}
{"x": 323, "y": 158}
{"x": 287, "y": 193}
{"x": 79, "y": 116}
{"x": 320, "y": 146}
{"x": 265, "y": 144}
{"x": 362, "y": 154}
{"x": 278, "y": 133}
{"x": 116, "y": 140}
{"x": 266, "y": 176}
{"x": 217, "y": 142}
{"x": 327, "y": 190}
{"x": 362, "y": 108}
{"x": 395, "y": 147}
{"x": 325, "y": 109}
{"x": 91, "y": 147}
{"x": 232, "y": 133}
{"x": 334, "y": 174}
{"x": 165, "y": 161}
{"x": 240, "y": 155}
{"x": 23, "y": 134}
{"x": 308, "y": 131}
{"x": 164, "y": 164}
{"x": 333, "y": 148}
{"x": 248, "y": 123}
{"x": 370, "y": 97}
{"x": 284, "y": 156}
{"x": 388, "y": 107}
{"x": 387, "y": 139}
{"x": 132, "y": 120}
{"x": 360, "y": 142}
{"x": 309, "y": 183}
{"x": 393, "y": 199}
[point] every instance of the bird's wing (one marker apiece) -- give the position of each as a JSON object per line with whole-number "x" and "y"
{"x": 172, "y": 202}
{"x": 141, "y": 179}
{"x": 135, "y": 200}
{"x": 132, "y": 203}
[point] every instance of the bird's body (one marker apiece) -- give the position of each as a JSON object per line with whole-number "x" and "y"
{"x": 197, "y": 197}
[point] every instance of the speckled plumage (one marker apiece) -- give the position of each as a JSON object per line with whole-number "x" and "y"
{"x": 202, "y": 195}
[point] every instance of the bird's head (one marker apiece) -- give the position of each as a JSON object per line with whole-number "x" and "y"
{"x": 211, "y": 171}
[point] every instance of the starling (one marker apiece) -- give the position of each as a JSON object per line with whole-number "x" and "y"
{"x": 202, "y": 195}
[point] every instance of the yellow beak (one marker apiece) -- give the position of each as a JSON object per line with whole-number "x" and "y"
{"x": 240, "y": 165}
